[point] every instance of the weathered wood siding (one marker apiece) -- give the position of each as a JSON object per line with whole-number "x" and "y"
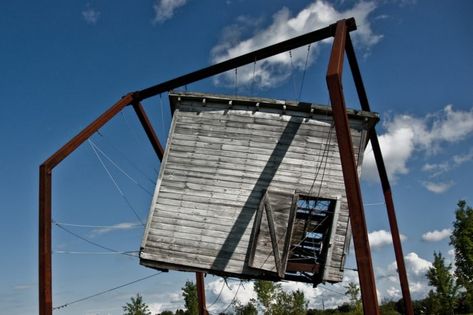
{"x": 219, "y": 160}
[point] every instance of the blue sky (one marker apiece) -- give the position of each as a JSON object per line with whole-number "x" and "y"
{"x": 63, "y": 63}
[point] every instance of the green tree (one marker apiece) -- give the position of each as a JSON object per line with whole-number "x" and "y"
{"x": 191, "y": 302}
{"x": 462, "y": 241}
{"x": 266, "y": 292}
{"x": 276, "y": 301}
{"x": 353, "y": 292}
{"x": 444, "y": 299}
{"x": 299, "y": 303}
{"x": 136, "y": 306}
{"x": 247, "y": 309}
{"x": 167, "y": 313}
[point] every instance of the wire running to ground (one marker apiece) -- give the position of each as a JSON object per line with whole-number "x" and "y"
{"x": 91, "y": 242}
{"x": 123, "y": 155}
{"x": 234, "y": 297}
{"x": 129, "y": 126}
{"x": 119, "y": 168}
{"x": 331, "y": 290}
{"x": 94, "y": 253}
{"x": 162, "y": 116}
{"x": 127, "y": 201}
{"x": 105, "y": 291}
{"x": 292, "y": 74}
{"x": 218, "y": 296}
{"x": 133, "y": 225}
{"x": 303, "y": 73}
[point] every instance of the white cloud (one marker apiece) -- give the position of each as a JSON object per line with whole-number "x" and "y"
{"x": 90, "y": 15}
{"x": 164, "y": 9}
{"x": 227, "y": 292}
{"x": 284, "y": 25}
{"x": 116, "y": 227}
{"x": 417, "y": 265}
{"x": 436, "y": 169}
{"x": 463, "y": 158}
{"x": 393, "y": 293}
{"x": 416, "y": 268}
{"x": 382, "y": 238}
{"x": 166, "y": 302}
{"x": 406, "y": 134}
{"x": 435, "y": 236}
{"x": 438, "y": 187}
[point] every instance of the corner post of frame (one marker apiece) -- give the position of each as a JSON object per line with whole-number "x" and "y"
{"x": 200, "y": 284}
{"x": 44, "y": 248}
{"x": 45, "y": 202}
{"x": 350, "y": 174}
{"x": 363, "y": 98}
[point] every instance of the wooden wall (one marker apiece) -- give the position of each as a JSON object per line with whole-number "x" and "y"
{"x": 222, "y": 155}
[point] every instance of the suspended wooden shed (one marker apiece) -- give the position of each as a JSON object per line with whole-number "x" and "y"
{"x": 252, "y": 188}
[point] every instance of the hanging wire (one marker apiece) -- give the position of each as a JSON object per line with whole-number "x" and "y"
{"x": 254, "y": 77}
{"x": 292, "y": 74}
{"x": 375, "y": 204}
{"x": 123, "y": 155}
{"x": 115, "y": 183}
{"x": 236, "y": 81}
{"x": 105, "y": 291}
{"x": 115, "y": 226}
{"x": 303, "y": 73}
{"x": 162, "y": 114}
{"x": 91, "y": 242}
{"x": 119, "y": 168}
{"x": 95, "y": 253}
{"x": 331, "y": 290}
{"x": 323, "y": 161}
{"x": 218, "y": 296}
{"x": 234, "y": 297}
{"x": 129, "y": 126}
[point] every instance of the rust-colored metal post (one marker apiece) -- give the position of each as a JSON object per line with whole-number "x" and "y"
{"x": 45, "y": 203}
{"x": 350, "y": 174}
{"x": 200, "y": 284}
{"x": 355, "y": 70}
{"x": 140, "y": 112}
{"x": 45, "y": 211}
{"x": 44, "y": 249}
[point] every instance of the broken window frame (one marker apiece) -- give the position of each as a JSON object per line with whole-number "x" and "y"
{"x": 306, "y": 272}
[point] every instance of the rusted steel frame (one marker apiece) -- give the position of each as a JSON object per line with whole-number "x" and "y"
{"x": 44, "y": 250}
{"x": 45, "y": 204}
{"x": 153, "y": 138}
{"x": 350, "y": 174}
{"x": 200, "y": 284}
{"x": 245, "y": 59}
{"x": 360, "y": 88}
{"x": 45, "y": 284}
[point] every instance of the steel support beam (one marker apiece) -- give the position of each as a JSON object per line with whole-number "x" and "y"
{"x": 336, "y": 94}
{"x": 242, "y": 60}
{"x": 45, "y": 176}
{"x": 153, "y": 138}
{"x": 45, "y": 204}
{"x": 44, "y": 249}
{"x": 350, "y": 174}
{"x": 200, "y": 284}
{"x": 363, "y": 98}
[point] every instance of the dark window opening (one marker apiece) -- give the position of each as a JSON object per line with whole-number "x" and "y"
{"x": 310, "y": 238}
